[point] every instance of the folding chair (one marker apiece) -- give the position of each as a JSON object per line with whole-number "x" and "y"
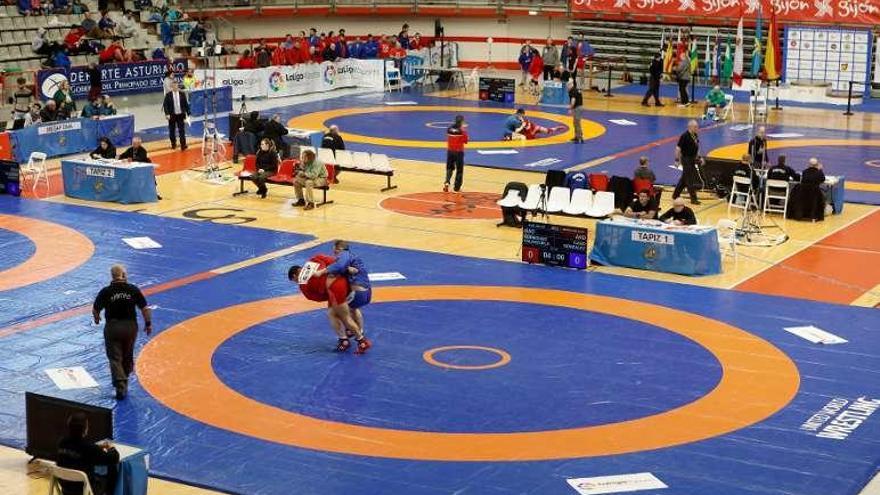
{"x": 35, "y": 169}
{"x": 558, "y": 200}
{"x": 603, "y": 204}
{"x": 776, "y": 194}
{"x": 740, "y": 191}
{"x": 392, "y": 75}
{"x": 58, "y": 474}
{"x": 581, "y": 201}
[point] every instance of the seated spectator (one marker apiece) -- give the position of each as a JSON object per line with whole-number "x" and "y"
{"x": 24, "y": 7}
{"x": 781, "y": 171}
{"x": 127, "y": 27}
{"x": 173, "y": 14}
{"x": 107, "y": 24}
{"x": 332, "y": 140}
{"x": 158, "y": 54}
{"x": 106, "y": 107}
{"x": 73, "y": 39}
{"x": 813, "y": 174}
{"x": 41, "y": 45}
{"x": 75, "y": 452}
{"x": 90, "y": 26}
{"x": 61, "y": 7}
{"x": 715, "y": 99}
{"x": 329, "y": 53}
{"x": 267, "y": 165}
{"x": 312, "y": 174}
{"x": 165, "y": 33}
{"x": 61, "y": 60}
{"x": 245, "y": 142}
{"x": 142, "y": 4}
{"x": 64, "y": 101}
{"x": 114, "y": 53}
{"x": 155, "y": 16}
{"x": 189, "y": 80}
{"x": 49, "y": 113}
{"x": 643, "y": 171}
{"x": 34, "y": 115}
{"x": 679, "y": 214}
{"x": 91, "y": 110}
{"x": 105, "y": 150}
{"x": 197, "y": 35}
{"x": 135, "y": 153}
{"x": 77, "y": 7}
{"x": 642, "y": 208}
{"x": 247, "y": 61}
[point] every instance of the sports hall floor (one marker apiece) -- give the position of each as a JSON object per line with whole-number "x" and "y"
{"x": 487, "y": 376}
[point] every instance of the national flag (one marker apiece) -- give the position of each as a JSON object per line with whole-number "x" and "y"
{"x": 667, "y": 57}
{"x": 772, "y": 55}
{"x": 727, "y": 67}
{"x": 757, "y": 55}
{"x": 738, "y": 54}
{"x": 694, "y": 55}
{"x": 680, "y": 47}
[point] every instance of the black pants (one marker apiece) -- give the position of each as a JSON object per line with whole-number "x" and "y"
{"x": 176, "y": 121}
{"x": 689, "y": 178}
{"x": 455, "y": 163}
{"x": 548, "y": 71}
{"x": 119, "y": 338}
{"x": 653, "y": 90}
{"x": 683, "y": 97}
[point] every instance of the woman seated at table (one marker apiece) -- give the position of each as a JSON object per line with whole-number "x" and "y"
{"x": 267, "y": 165}
{"x": 78, "y": 453}
{"x": 642, "y": 208}
{"x": 105, "y": 150}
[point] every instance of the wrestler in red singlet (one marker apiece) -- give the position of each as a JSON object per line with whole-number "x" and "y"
{"x": 316, "y": 287}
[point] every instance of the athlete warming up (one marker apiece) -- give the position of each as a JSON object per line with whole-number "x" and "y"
{"x": 315, "y": 288}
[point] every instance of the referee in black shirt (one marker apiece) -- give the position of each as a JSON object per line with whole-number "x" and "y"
{"x": 118, "y": 301}
{"x": 687, "y": 153}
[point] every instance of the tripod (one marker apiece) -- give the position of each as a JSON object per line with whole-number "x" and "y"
{"x": 749, "y": 230}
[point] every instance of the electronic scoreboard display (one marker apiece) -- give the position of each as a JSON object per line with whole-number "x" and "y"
{"x": 497, "y": 89}
{"x": 9, "y": 178}
{"x": 555, "y": 245}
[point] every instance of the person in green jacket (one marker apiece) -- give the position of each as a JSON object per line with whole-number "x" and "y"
{"x": 91, "y": 110}
{"x": 64, "y": 99}
{"x": 312, "y": 173}
{"x": 715, "y": 99}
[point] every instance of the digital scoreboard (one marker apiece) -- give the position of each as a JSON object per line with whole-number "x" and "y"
{"x": 497, "y": 89}
{"x": 10, "y": 177}
{"x": 555, "y": 245}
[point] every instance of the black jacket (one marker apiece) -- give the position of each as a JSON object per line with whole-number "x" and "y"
{"x": 47, "y": 115}
{"x": 99, "y": 152}
{"x": 267, "y": 160}
{"x": 135, "y": 155}
{"x": 812, "y": 176}
{"x": 82, "y": 455}
{"x": 333, "y": 142}
{"x": 168, "y": 104}
{"x": 783, "y": 172}
{"x": 273, "y": 131}
{"x": 656, "y": 68}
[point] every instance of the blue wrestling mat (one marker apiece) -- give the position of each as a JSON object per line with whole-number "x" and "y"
{"x": 548, "y": 375}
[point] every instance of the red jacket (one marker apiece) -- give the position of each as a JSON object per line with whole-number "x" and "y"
{"x": 456, "y": 138}
{"x": 384, "y": 50}
{"x": 247, "y": 63}
{"x": 536, "y": 67}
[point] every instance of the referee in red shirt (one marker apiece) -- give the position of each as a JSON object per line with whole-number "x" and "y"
{"x": 456, "y": 138}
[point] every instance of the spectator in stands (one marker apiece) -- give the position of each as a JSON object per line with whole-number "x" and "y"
{"x": 313, "y": 37}
{"x": 60, "y": 59}
{"x": 173, "y": 14}
{"x": 385, "y": 46}
{"x": 781, "y": 171}
{"x": 275, "y": 131}
{"x": 643, "y": 171}
{"x": 716, "y": 100}
{"x": 91, "y": 110}
{"x": 158, "y": 54}
{"x": 106, "y": 108}
{"x": 166, "y": 33}
{"x": 107, "y": 24}
{"x": 355, "y": 48}
{"x": 75, "y": 452}
{"x": 312, "y": 174}
{"x": 403, "y": 36}
{"x": 90, "y": 26}
{"x": 64, "y": 99}
{"x": 197, "y": 35}
{"x": 261, "y": 52}
{"x": 370, "y": 49}
{"x": 73, "y": 40}
{"x": 24, "y": 7}
{"x": 642, "y": 208}
{"x": 679, "y": 214}
{"x": 127, "y": 26}
{"x": 246, "y": 61}
{"x": 683, "y": 76}
{"x": 33, "y": 115}
{"x": 155, "y": 16}
{"x": 415, "y": 43}
{"x": 21, "y": 102}
{"x": 329, "y": 53}
{"x": 113, "y": 53}
{"x": 49, "y": 113}
{"x": 550, "y": 54}
{"x": 267, "y": 165}
{"x": 302, "y": 47}
{"x": 135, "y": 153}
{"x": 105, "y": 150}
{"x": 525, "y": 61}
{"x": 176, "y": 109}
{"x": 77, "y": 7}
{"x": 189, "y": 80}
{"x": 813, "y": 174}
{"x": 61, "y": 7}
{"x": 41, "y": 45}
{"x": 342, "y": 45}
{"x": 397, "y": 53}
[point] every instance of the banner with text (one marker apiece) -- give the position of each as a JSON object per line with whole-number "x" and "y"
{"x": 311, "y": 78}
{"x": 821, "y": 11}
{"x": 116, "y": 79}
{"x": 250, "y": 83}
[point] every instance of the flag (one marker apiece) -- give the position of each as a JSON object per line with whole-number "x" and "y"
{"x": 772, "y": 56}
{"x": 716, "y": 60}
{"x": 877, "y": 65}
{"x": 757, "y": 57}
{"x": 707, "y": 64}
{"x": 667, "y": 57}
{"x": 662, "y": 40}
{"x": 679, "y": 46}
{"x": 727, "y": 67}
{"x": 738, "y": 54}
{"x": 694, "y": 55}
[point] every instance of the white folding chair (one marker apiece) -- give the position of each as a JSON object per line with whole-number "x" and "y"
{"x": 776, "y": 194}
{"x": 361, "y": 160}
{"x": 727, "y": 236}
{"x": 558, "y": 200}
{"x": 603, "y": 204}
{"x": 728, "y": 113}
{"x": 581, "y": 201}
{"x": 343, "y": 159}
{"x": 57, "y": 474}
{"x": 533, "y": 197}
{"x": 739, "y": 194}
{"x": 326, "y": 156}
{"x": 381, "y": 162}
{"x": 392, "y": 75}
{"x": 35, "y": 171}
{"x": 472, "y": 80}
{"x": 512, "y": 200}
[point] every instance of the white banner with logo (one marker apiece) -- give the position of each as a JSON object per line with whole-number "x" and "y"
{"x": 244, "y": 82}
{"x": 301, "y": 79}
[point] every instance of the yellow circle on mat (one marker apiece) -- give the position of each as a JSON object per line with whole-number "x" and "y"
{"x": 735, "y": 151}
{"x": 428, "y": 356}
{"x": 317, "y": 120}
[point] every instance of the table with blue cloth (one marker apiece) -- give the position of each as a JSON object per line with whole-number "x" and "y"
{"x": 836, "y": 186}
{"x": 68, "y": 137}
{"x": 118, "y": 182}
{"x": 134, "y": 466}
{"x": 651, "y": 245}
{"x": 554, "y": 93}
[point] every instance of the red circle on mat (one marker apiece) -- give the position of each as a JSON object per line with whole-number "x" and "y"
{"x": 462, "y": 206}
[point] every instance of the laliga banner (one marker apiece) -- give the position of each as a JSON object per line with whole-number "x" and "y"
{"x": 244, "y": 82}
{"x": 326, "y": 76}
{"x": 820, "y": 11}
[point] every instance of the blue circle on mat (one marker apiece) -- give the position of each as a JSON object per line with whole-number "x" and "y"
{"x": 568, "y": 368}
{"x": 422, "y": 125}
{"x": 15, "y": 249}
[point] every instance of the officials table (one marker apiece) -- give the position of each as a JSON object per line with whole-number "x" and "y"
{"x": 134, "y": 466}
{"x": 111, "y": 181}
{"x": 651, "y": 245}
{"x": 67, "y": 137}
{"x": 554, "y": 93}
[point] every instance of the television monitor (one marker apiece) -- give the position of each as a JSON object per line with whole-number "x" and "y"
{"x": 47, "y": 423}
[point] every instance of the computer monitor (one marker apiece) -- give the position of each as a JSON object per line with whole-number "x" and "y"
{"x": 47, "y": 423}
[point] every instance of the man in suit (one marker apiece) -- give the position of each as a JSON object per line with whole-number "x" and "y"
{"x": 176, "y": 110}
